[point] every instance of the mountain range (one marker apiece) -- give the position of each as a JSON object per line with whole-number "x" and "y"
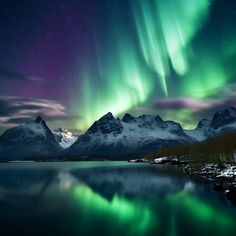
{"x": 222, "y": 122}
{"x": 131, "y": 136}
{"x": 108, "y": 137}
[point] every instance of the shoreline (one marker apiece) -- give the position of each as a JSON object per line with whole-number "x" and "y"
{"x": 222, "y": 176}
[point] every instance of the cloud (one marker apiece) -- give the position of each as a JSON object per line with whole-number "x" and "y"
{"x": 11, "y": 75}
{"x": 193, "y": 104}
{"x": 188, "y": 111}
{"x": 221, "y": 99}
{"x": 15, "y": 110}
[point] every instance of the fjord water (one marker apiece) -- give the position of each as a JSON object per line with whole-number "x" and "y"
{"x": 109, "y": 198}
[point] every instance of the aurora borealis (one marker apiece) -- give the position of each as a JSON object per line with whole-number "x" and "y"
{"x": 73, "y": 61}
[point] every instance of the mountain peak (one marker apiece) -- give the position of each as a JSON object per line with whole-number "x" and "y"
{"x": 38, "y": 120}
{"x": 60, "y": 129}
{"x": 158, "y": 119}
{"x": 223, "y": 117}
{"x": 108, "y": 116}
{"x": 203, "y": 123}
{"x": 127, "y": 118}
{"x": 231, "y": 111}
{"x": 106, "y": 124}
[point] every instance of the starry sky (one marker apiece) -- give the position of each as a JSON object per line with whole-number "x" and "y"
{"x": 73, "y": 61}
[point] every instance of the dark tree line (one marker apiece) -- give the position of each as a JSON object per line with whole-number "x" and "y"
{"x": 215, "y": 150}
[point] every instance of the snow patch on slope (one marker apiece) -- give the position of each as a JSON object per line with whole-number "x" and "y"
{"x": 133, "y": 133}
{"x": 199, "y": 135}
{"x": 35, "y": 128}
{"x": 64, "y": 137}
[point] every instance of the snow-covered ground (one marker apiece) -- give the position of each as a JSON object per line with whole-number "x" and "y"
{"x": 228, "y": 172}
{"x": 161, "y": 160}
{"x": 214, "y": 170}
{"x": 139, "y": 160}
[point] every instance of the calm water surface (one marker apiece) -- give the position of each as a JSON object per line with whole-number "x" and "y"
{"x": 109, "y": 198}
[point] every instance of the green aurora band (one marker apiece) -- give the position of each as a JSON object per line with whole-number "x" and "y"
{"x": 124, "y": 85}
{"x": 158, "y": 59}
{"x": 165, "y": 28}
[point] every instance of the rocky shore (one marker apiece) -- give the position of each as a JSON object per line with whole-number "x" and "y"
{"x": 223, "y": 177}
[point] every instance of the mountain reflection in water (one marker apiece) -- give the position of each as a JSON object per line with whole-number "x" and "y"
{"x": 109, "y": 198}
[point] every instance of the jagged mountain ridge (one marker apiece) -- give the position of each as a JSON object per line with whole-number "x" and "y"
{"x": 31, "y": 140}
{"x": 221, "y": 122}
{"x": 110, "y": 137}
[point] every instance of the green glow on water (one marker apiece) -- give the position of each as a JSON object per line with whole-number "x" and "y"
{"x": 202, "y": 216}
{"x": 118, "y": 214}
{"x": 180, "y": 213}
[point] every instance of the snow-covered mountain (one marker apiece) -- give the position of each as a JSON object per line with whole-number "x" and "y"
{"x": 31, "y": 140}
{"x": 64, "y": 137}
{"x": 111, "y": 137}
{"x": 222, "y": 122}
{"x": 202, "y": 131}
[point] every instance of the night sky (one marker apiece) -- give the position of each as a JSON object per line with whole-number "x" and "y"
{"x": 73, "y": 61}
